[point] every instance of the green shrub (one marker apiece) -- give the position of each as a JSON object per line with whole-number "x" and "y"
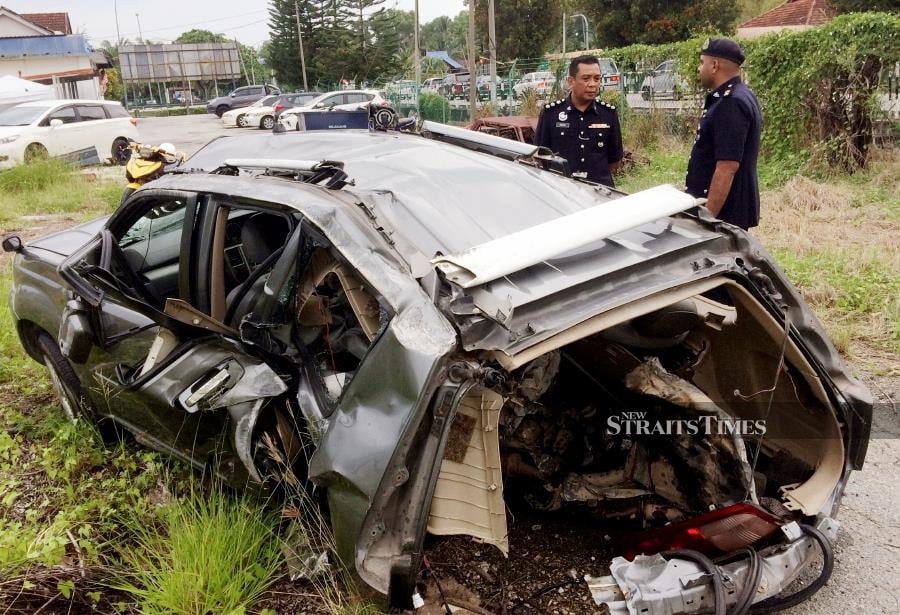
{"x": 36, "y": 175}
{"x": 434, "y": 107}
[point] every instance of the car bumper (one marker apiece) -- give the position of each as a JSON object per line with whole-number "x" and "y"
{"x": 11, "y": 154}
{"x": 229, "y": 121}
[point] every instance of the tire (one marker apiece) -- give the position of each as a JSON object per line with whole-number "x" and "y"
{"x": 120, "y": 153}
{"x": 63, "y": 377}
{"x": 68, "y": 390}
{"x": 267, "y": 123}
{"x": 676, "y": 93}
{"x": 36, "y": 151}
{"x": 221, "y": 110}
{"x": 241, "y": 121}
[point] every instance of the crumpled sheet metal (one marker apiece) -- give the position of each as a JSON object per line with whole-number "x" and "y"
{"x": 703, "y": 455}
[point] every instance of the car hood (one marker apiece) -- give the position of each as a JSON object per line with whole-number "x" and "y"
{"x": 66, "y": 242}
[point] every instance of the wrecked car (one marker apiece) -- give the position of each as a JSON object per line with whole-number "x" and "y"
{"x": 458, "y": 331}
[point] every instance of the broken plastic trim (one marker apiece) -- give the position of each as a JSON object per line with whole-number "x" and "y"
{"x": 723, "y": 530}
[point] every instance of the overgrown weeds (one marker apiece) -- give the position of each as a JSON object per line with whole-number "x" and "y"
{"x": 204, "y": 553}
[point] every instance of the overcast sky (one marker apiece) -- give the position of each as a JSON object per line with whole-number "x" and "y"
{"x": 163, "y": 20}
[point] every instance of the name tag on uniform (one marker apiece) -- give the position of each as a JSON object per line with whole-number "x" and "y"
{"x": 562, "y": 124}
{"x": 598, "y": 126}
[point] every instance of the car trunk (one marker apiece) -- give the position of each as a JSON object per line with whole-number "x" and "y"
{"x": 692, "y": 402}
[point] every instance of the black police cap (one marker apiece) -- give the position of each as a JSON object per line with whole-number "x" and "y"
{"x": 723, "y": 48}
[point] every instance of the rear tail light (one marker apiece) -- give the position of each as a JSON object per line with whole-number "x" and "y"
{"x": 724, "y": 530}
{"x": 133, "y": 121}
{"x": 278, "y": 107}
{"x": 614, "y": 78}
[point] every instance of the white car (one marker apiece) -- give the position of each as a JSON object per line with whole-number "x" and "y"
{"x": 339, "y": 100}
{"x": 264, "y": 116}
{"x": 71, "y": 128}
{"x": 235, "y": 117}
{"x": 541, "y": 82}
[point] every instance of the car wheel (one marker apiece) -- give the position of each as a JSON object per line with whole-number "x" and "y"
{"x": 267, "y": 123}
{"x": 221, "y": 110}
{"x": 120, "y": 153}
{"x": 676, "y": 93}
{"x": 241, "y": 121}
{"x": 36, "y": 151}
{"x": 645, "y": 93}
{"x": 66, "y": 383}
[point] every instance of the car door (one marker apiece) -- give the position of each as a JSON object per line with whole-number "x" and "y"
{"x": 97, "y": 128}
{"x": 63, "y": 138}
{"x": 159, "y": 365}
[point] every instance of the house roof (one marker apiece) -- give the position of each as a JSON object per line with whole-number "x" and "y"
{"x": 55, "y": 22}
{"x": 443, "y": 55}
{"x": 20, "y": 46}
{"x": 793, "y": 13}
{"x": 16, "y": 17}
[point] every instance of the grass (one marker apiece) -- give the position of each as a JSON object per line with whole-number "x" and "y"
{"x": 52, "y": 187}
{"x": 207, "y": 553}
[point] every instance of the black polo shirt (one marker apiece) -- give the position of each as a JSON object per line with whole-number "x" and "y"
{"x": 589, "y": 140}
{"x": 729, "y": 129}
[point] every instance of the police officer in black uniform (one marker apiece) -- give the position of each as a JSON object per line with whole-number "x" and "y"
{"x": 581, "y": 128}
{"x": 722, "y": 167}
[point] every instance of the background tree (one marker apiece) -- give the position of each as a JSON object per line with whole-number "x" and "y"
{"x": 524, "y": 27}
{"x": 200, "y": 36}
{"x": 446, "y": 34}
{"x": 859, "y": 6}
{"x": 617, "y": 23}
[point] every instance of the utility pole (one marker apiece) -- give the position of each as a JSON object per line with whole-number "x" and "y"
{"x": 564, "y": 33}
{"x": 473, "y": 93}
{"x": 140, "y": 35}
{"x": 418, "y": 56}
{"x": 300, "y": 39}
{"x": 241, "y": 60}
{"x": 492, "y": 44}
{"x": 118, "y": 36}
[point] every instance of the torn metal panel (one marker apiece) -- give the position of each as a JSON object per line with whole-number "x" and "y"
{"x": 468, "y": 497}
{"x": 520, "y": 250}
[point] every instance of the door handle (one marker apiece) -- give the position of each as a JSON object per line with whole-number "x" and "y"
{"x": 205, "y": 389}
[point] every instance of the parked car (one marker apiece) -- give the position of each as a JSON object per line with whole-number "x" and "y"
{"x": 541, "y": 82}
{"x": 456, "y": 337}
{"x": 455, "y": 86}
{"x": 240, "y": 97}
{"x": 483, "y": 83}
{"x": 83, "y": 130}
{"x": 264, "y": 116}
{"x": 611, "y": 78}
{"x": 432, "y": 84}
{"x": 338, "y": 100}
{"x": 664, "y": 82}
{"x": 235, "y": 117}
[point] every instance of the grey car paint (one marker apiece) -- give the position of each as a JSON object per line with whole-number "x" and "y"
{"x": 379, "y": 447}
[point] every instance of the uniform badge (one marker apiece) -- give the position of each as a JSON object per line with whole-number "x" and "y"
{"x": 563, "y": 116}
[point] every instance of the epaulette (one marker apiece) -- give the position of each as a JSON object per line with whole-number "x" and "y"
{"x": 550, "y": 105}
{"x": 605, "y": 104}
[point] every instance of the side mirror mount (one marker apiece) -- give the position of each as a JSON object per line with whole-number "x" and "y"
{"x": 75, "y": 333}
{"x": 56, "y": 122}
{"x": 13, "y": 243}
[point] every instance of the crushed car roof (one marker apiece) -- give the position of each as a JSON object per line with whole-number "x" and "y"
{"x": 446, "y": 199}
